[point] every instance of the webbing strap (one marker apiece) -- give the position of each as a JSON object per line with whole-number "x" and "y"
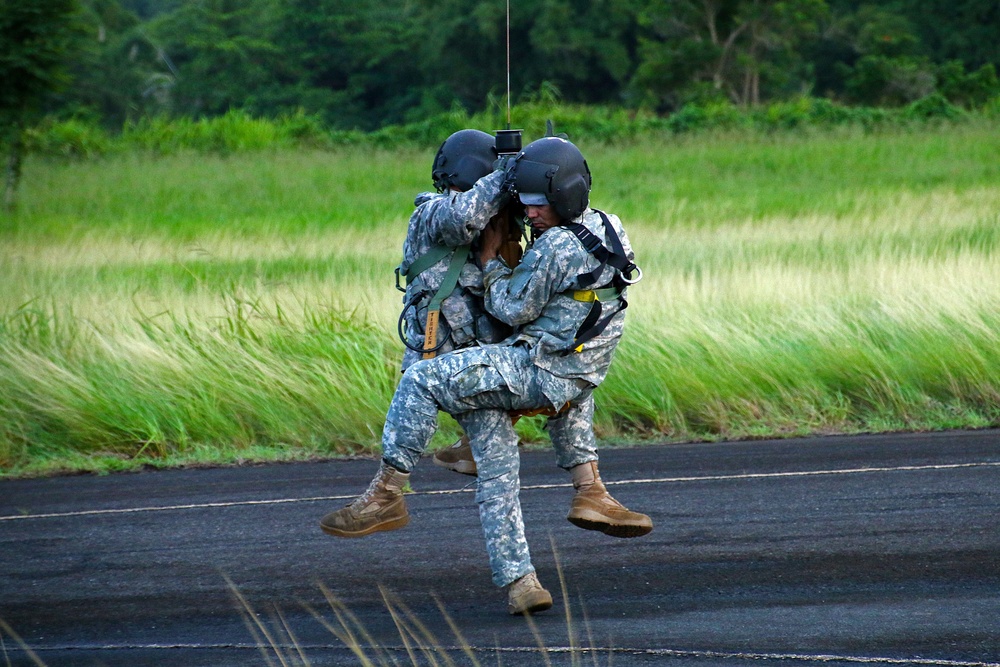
{"x": 424, "y": 262}
{"x": 615, "y": 257}
{"x": 591, "y": 295}
{"x": 451, "y": 277}
{"x": 444, "y": 291}
{"x": 594, "y": 324}
{"x": 431, "y": 334}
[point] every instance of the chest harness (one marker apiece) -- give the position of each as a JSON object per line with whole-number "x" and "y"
{"x": 593, "y": 324}
{"x": 616, "y": 258}
{"x": 434, "y": 322}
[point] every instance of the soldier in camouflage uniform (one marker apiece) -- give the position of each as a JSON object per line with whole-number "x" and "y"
{"x": 549, "y": 361}
{"x": 469, "y": 195}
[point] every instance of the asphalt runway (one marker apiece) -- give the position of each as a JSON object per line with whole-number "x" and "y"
{"x": 869, "y": 550}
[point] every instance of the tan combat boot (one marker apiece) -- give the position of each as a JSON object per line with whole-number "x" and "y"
{"x": 526, "y": 596}
{"x": 381, "y": 507}
{"x": 593, "y": 507}
{"x": 457, "y": 457}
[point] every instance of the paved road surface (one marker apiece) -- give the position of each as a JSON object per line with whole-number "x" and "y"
{"x": 833, "y": 551}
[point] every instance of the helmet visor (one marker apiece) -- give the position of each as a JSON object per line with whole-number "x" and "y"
{"x": 533, "y": 198}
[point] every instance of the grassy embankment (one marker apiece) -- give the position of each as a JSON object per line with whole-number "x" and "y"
{"x": 202, "y": 308}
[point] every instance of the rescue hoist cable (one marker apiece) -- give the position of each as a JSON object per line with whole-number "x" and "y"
{"x": 508, "y": 64}
{"x": 507, "y": 142}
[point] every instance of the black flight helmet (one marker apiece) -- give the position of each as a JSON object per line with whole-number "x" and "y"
{"x": 551, "y": 170}
{"x": 464, "y": 158}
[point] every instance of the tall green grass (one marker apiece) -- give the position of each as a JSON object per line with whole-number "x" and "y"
{"x": 167, "y": 388}
{"x": 202, "y": 306}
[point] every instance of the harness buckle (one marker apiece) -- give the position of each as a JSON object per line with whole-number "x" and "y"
{"x": 631, "y": 281}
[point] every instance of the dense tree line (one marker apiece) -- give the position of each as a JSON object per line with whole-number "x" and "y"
{"x": 368, "y": 64}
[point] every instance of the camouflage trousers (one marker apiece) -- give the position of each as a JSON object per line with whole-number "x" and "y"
{"x": 479, "y": 386}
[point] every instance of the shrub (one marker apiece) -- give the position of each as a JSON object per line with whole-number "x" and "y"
{"x": 970, "y": 90}
{"x": 933, "y": 107}
{"x": 238, "y": 131}
{"x": 688, "y": 119}
{"x": 68, "y": 138}
{"x": 991, "y": 109}
{"x": 301, "y": 128}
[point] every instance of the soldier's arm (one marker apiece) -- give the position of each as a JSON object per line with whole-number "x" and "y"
{"x": 459, "y": 220}
{"x": 517, "y": 296}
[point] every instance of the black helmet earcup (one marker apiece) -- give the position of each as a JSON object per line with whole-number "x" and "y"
{"x": 463, "y": 158}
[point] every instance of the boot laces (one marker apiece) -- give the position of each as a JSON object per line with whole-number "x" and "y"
{"x": 363, "y": 499}
{"x": 377, "y": 483}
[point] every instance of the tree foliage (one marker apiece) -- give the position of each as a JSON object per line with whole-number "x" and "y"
{"x": 368, "y": 65}
{"x": 36, "y": 41}
{"x": 733, "y": 49}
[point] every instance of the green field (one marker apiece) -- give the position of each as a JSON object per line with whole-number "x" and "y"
{"x": 203, "y": 308}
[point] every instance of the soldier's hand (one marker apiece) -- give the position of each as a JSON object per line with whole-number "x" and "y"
{"x": 507, "y": 164}
{"x": 511, "y": 252}
{"x": 503, "y": 162}
{"x": 490, "y": 240}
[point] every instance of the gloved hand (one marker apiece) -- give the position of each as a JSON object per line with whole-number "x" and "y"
{"x": 507, "y": 164}
{"x": 504, "y": 161}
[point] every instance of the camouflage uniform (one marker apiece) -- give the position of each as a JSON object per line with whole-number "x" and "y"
{"x": 454, "y": 219}
{"x": 533, "y": 368}
{"x": 451, "y": 219}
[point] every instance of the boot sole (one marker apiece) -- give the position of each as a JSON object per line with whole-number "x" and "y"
{"x": 461, "y": 467}
{"x": 394, "y": 524}
{"x": 594, "y": 521}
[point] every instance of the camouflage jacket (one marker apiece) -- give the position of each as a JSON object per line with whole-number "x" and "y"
{"x": 536, "y": 299}
{"x": 451, "y": 219}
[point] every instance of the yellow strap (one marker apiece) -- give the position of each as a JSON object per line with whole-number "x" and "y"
{"x": 591, "y": 295}
{"x": 587, "y": 296}
{"x": 431, "y": 334}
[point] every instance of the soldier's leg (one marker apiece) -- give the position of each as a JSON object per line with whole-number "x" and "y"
{"x": 494, "y": 445}
{"x": 411, "y": 420}
{"x": 456, "y": 383}
{"x": 480, "y": 395}
{"x": 592, "y": 508}
{"x": 409, "y": 425}
{"x": 572, "y": 433}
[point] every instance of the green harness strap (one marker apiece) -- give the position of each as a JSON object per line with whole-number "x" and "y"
{"x": 451, "y": 277}
{"x": 424, "y": 262}
{"x": 434, "y": 307}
